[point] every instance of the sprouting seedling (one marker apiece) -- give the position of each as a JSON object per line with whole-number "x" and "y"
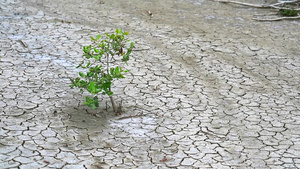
{"x": 103, "y": 60}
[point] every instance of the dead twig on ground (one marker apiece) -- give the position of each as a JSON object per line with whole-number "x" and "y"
{"x": 276, "y": 5}
{"x": 242, "y": 3}
{"x": 265, "y": 14}
{"x": 281, "y": 6}
{"x": 139, "y": 49}
{"x": 133, "y": 116}
{"x": 23, "y": 43}
{"x": 277, "y": 19}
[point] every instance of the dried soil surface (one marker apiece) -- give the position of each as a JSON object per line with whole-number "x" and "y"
{"x": 208, "y": 88}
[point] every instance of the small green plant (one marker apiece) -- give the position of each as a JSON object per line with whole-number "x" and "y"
{"x": 289, "y": 12}
{"x": 103, "y": 64}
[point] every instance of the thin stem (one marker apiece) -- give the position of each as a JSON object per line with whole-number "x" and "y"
{"x": 107, "y": 70}
{"x": 113, "y": 103}
{"x": 107, "y": 63}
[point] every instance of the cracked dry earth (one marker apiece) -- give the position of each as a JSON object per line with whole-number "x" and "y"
{"x": 208, "y": 87}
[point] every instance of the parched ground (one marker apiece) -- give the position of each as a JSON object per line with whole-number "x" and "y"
{"x": 208, "y": 88}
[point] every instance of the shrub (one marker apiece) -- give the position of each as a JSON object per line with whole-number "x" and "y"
{"x": 102, "y": 61}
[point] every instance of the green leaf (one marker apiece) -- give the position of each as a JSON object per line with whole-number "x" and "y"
{"x": 106, "y": 85}
{"x": 92, "y": 86}
{"x": 88, "y": 65}
{"x": 87, "y": 49}
{"x": 80, "y": 65}
{"x": 93, "y": 39}
{"x": 98, "y": 37}
{"x": 88, "y": 99}
{"x": 87, "y": 55}
{"x": 131, "y": 45}
{"x": 81, "y": 74}
{"x": 117, "y": 70}
{"x": 93, "y": 106}
{"x": 96, "y": 102}
{"x": 103, "y": 79}
{"x": 118, "y": 31}
{"x": 96, "y": 50}
{"x": 93, "y": 103}
{"x": 126, "y": 33}
{"x": 112, "y": 36}
{"x": 125, "y": 58}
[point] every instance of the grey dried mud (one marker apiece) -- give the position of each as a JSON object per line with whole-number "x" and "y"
{"x": 208, "y": 87}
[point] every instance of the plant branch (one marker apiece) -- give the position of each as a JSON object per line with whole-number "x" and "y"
{"x": 113, "y": 103}
{"x": 107, "y": 63}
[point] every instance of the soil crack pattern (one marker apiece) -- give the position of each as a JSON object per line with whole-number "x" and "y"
{"x": 208, "y": 87}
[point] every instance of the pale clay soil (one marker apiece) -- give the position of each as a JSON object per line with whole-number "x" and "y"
{"x": 208, "y": 87}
